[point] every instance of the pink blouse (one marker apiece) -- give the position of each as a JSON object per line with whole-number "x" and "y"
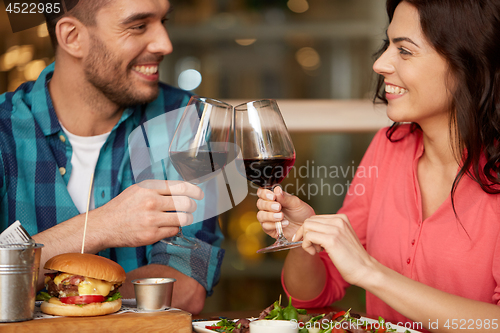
{"x": 461, "y": 257}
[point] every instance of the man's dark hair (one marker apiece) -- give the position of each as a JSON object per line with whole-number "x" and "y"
{"x": 83, "y": 10}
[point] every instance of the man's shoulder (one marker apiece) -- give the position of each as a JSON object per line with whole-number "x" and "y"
{"x": 10, "y": 101}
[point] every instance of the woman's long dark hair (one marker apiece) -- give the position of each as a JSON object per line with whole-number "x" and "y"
{"x": 467, "y": 34}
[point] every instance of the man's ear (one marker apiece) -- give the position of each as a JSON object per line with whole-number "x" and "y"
{"x": 72, "y": 36}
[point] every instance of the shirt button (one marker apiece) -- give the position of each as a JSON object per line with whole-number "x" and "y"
{"x": 62, "y": 138}
{"x": 408, "y": 261}
{"x": 102, "y": 194}
{"x": 62, "y": 171}
{"x": 413, "y": 242}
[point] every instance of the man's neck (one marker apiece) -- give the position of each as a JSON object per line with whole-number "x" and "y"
{"x": 80, "y": 107}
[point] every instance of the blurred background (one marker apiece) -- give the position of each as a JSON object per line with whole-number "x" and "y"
{"x": 314, "y": 56}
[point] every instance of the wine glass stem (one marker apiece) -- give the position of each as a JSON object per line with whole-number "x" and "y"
{"x": 279, "y": 230}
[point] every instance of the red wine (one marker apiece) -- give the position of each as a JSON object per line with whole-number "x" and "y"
{"x": 198, "y": 166}
{"x": 267, "y": 172}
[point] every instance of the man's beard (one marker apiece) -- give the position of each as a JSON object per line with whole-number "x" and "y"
{"x": 103, "y": 70}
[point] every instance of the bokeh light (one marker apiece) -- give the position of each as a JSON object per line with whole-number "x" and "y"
{"x": 308, "y": 58}
{"x": 298, "y": 6}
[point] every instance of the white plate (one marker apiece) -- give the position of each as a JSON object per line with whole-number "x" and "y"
{"x": 199, "y": 326}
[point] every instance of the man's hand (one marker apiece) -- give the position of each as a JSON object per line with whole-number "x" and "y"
{"x": 145, "y": 213}
{"x": 141, "y": 215}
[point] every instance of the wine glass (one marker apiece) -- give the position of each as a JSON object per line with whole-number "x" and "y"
{"x": 200, "y": 147}
{"x": 267, "y": 150}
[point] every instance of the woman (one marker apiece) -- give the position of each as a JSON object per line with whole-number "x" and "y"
{"x": 423, "y": 238}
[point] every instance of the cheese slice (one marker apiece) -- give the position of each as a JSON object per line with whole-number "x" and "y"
{"x": 60, "y": 277}
{"x": 88, "y": 286}
{"x": 94, "y": 287}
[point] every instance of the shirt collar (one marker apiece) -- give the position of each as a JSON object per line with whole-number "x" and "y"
{"x": 43, "y": 109}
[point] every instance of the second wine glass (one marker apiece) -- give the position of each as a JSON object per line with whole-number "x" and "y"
{"x": 200, "y": 147}
{"x": 267, "y": 150}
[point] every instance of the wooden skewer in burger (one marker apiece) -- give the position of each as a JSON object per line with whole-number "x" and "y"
{"x": 84, "y": 284}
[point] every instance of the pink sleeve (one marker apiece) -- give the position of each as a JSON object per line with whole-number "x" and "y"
{"x": 356, "y": 206}
{"x": 333, "y": 290}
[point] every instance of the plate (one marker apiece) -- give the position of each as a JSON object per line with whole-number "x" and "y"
{"x": 199, "y": 326}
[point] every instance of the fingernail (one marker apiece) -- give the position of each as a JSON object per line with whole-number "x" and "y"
{"x": 293, "y": 238}
{"x": 284, "y": 223}
{"x": 280, "y": 191}
{"x": 270, "y": 196}
{"x": 275, "y": 206}
{"x": 277, "y": 215}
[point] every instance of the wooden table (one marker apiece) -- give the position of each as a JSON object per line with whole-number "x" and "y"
{"x": 171, "y": 321}
{"x": 166, "y": 321}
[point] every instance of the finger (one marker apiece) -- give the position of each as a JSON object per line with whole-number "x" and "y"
{"x": 178, "y": 203}
{"x": 269, "y": 227}
{"x": 265, "y": 194}
{"x": 314, "y": 241}
{"x": 263, "y": 217}
{"x": 269, "y": 206}
{"x": 299, "y": 234}
{"x": 175, "y": 219}
{"x": 171, "y": 187}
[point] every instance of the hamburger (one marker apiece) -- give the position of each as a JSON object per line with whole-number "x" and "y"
{"x": 84, "y": 285}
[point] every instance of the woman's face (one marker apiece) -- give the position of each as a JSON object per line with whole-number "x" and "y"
{"x": 415, "y": 75}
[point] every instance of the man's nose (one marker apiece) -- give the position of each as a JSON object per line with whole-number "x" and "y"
{"x": 161, "y": 43}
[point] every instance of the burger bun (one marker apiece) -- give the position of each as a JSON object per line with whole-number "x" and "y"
{"x": 89, "y": 265}
{"x": 57, "y": 308}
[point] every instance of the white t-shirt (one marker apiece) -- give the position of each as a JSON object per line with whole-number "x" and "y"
{"x": 86, "y": 151}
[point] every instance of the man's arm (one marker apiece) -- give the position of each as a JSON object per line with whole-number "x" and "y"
{"x": 188, "y": 294}
{"x": 140, "y": 215}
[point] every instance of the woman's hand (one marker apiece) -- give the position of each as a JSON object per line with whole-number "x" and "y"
{"x": 335, "y": 235}
{"x": 278, "y": 205}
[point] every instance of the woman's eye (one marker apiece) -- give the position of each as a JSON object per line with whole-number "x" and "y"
{"x": 403, "y": 51}
{"x": 164, "y": 20}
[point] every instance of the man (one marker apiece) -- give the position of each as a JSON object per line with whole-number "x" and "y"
{"x": 79, "y": 114}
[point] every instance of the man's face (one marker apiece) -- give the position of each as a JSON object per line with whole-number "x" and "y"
{"x": 126, "y": 47}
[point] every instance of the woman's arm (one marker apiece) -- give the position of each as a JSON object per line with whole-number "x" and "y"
{"x": 412, "y": 299}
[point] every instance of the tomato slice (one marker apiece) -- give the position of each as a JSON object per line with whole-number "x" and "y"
{"x": 86, "y": 299}
{"x": 338, "y": 314}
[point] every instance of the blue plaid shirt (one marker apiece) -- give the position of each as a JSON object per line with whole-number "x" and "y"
{"x": 35, "y": 167}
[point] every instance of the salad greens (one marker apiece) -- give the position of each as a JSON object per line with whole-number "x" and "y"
{"x": 224, "y": 326}
{"x": 288, "y": 313}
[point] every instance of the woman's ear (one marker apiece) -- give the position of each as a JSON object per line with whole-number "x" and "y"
{"x": 71, "y": 36}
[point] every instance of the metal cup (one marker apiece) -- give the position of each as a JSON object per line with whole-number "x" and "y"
{"x": 153, "y": 293}
{"x": 19, "y": 264}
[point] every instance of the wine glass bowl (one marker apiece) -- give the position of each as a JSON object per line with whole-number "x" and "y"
{"x": 200, "y": 146}
{"x": 267, "y": 151}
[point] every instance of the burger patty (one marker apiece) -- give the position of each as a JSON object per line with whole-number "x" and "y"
{"x": 69, "y": 287}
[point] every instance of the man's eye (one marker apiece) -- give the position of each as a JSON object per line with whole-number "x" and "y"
{"x": 403, "y": 51}
{"x": 139, "y": 27}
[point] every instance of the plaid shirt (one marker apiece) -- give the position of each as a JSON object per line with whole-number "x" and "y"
{"x": 35, "y": 167}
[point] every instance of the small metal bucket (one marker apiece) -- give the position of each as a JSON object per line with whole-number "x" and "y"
{"x": 153, "y": 294}
{"x": 19, "y": 264}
